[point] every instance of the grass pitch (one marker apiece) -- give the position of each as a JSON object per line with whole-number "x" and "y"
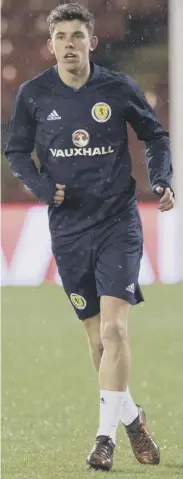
{"x": 49, "y": 389}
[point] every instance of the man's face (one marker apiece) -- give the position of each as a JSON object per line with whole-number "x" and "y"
{"x": 71, "y": 43}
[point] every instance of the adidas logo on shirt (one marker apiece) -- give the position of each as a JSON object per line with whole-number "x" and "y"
{"x": 53, "y": 116}
{"x": 131, "y": 288}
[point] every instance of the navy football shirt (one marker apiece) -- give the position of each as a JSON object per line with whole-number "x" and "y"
{"x": 80, "y": 137}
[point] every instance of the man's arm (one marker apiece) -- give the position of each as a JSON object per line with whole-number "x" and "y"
{"x": 139, "y": 114}
{"x": 20, "y": 145}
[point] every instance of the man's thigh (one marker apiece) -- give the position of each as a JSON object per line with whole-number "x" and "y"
{"x": 75, "y": 267}
{"x": 118, "y": 259}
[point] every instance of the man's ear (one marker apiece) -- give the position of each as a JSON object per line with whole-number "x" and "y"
{"x": 93, "y": 43}
{"x": 50, "y": 46}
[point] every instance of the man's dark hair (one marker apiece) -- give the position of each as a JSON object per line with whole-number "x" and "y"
{"x": 69, "y": 12}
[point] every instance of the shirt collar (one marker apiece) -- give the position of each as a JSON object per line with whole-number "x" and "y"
{"x": 94, "y": 75}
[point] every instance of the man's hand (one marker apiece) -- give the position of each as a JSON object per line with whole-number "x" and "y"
{"x": 59, "y": 195}
{"x": 167, "y": 201}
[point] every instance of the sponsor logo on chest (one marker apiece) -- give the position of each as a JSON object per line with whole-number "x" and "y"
{"x": 81, "y": 151}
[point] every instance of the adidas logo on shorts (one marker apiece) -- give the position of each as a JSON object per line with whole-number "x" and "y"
{"x": 131, "y": 288}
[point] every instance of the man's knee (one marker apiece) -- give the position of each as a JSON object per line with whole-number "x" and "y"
{"x": 113, "y": 331}
{"x": 114, "y": 312}
{"x": 96, "y": 345}
{"x": 92, "y": 327}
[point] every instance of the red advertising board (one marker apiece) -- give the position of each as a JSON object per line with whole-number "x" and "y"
{"x": 26, "y": 247}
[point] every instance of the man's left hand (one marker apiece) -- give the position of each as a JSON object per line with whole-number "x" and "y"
{"x": 167, "y": 201}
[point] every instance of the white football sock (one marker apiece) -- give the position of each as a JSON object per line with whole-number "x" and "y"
{"x": 129, "y": 410}
{"x": 110, "y": 411}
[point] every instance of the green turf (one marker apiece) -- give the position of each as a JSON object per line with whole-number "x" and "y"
{"x": 50, "y": 397}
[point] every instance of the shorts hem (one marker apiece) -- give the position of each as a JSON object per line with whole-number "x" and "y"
{"x": 132, "y": 301}
{"x": 83, "y": 317}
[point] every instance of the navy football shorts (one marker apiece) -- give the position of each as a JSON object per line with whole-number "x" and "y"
{"x": 105, "y": 260}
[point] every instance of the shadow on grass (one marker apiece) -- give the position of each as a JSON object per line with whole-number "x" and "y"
{"x": 174, "y": 465}
{"x": 128, "y": 471}
{"x": 117, "y": 470}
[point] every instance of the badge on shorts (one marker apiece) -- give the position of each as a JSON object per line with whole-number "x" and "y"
{"x": 78, "y": 301}
{"x": 101, "y": 112}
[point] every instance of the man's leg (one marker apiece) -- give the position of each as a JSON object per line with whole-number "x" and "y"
{"x": 114, "y": 367}
{"x": 110, "y": 354}
{"x": 92, "y": 326}
{"x": 113, "y": 378}
{"x": 115, "y": 399}
{"x": 115, "y": 363}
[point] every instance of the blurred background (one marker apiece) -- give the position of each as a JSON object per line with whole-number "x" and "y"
{"x": 132, "y": 38}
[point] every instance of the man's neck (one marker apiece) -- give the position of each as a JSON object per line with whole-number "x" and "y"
{"x": 74, "y": 79}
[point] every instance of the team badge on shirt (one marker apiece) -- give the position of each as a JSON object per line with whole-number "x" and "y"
{"x": 80, "y": 138}
{"x": 101, "y": 112}
{"x": 78, "y": 301}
